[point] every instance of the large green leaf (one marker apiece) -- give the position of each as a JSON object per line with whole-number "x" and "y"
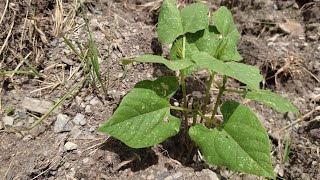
{"x": 173, "y": 65}
{"x": 223, "y": 20}
{"x": 164, "y": 86}
{"x": 241, "y": 143}
{"x": 172, "y": 23}
{"x": 247, "y": 74}
{"x": 143, "y": 119}
{"x": 169, "y": 22}
{"x": 273, "y": 100}
{"x": 194, "y": 17}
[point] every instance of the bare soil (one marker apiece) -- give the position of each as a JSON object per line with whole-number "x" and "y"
{"x": 279, "y": 37}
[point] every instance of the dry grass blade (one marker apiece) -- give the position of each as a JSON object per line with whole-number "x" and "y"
{"x": 63, "y": 23}
{"x": 4, "y": 11}
{"x": 9, "y": 34}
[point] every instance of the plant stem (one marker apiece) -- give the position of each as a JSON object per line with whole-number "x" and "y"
{"x": 215, "y": 109}
{"x": 181, "y": 109}
{"x": 183, "y": 87}
{"x": 235, "y": 91}
{"x": 207, "y": 98}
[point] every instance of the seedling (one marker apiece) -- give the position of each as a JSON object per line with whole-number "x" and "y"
{"x": 143, "y": 117}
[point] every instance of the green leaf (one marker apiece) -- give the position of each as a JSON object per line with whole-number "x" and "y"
{"x": 223, "y": 20}
{"x": 143, "y": 119}
{"x": 247, "y": 74}
{"x": 190, "y": 49}
{"x": 194, "y": 17}
{"x": 241, "y": 143}
{"x": 172, "y": 23}
{"x": 164, "y": 86}
{"x": 273, "y": 100}
{"x": 169, "y": 22}
{"x": 173, "y": 65}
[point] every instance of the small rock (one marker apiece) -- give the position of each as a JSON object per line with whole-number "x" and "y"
{"x": 292, "y": 28}
{"x": 88, "y": 109}
{"x": 120, "y": 75}
{"x": 197, "y": 94}
{"x": 75, "y": 132}
{"x": 177, "y": 175}
{"x": 86, "y": 160}
{"x": 69, "y": 146}
{"x": 1, "y": 125}
{"x": 67, "y": 61}
{"x": 79, "y": 119}
{"x": 8, "y": 120}
{"x": 62, "y": 124}
{"x": 150, "y": 177}
{"x": 212, "y": 175}
{"x": 291, "y": 116}
{"x": 27, "y": 138}
{"x": 94, "y": 101}
{"x": 36, "y": 105}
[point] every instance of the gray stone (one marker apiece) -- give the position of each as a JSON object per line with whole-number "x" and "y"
{"x": 88, "y": 109}
{"x": 36, "y": 105}
{"x": 94, "y": 101}
{"x": 177, "y": 175}
{"x": 212, "y": 175}
{"x": 79, "y": 119}
{"x": 197, "y": 94}
{"x": 27, "y": 138}
{"x": 62, "y": 124}
{"x": 69, "y": 146}
{"x": 75, "y": 132}
{"x": 8, "y": 120}
{"x": 291, "y": 116}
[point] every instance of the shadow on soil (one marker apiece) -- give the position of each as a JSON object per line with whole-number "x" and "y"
{"x": 142, "y": 158}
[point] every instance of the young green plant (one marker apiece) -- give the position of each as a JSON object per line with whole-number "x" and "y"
{"x": 143, "y": 117}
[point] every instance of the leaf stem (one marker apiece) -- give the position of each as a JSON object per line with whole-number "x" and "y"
{"x": 207, "y": 98}
{"x": 183, "y": 86}
{"x": 215, "y": 109}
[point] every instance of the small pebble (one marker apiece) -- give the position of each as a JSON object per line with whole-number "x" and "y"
{"x": 79, "y": 119}
{"x": 88, "y": 109}
{"x": 8, "y": 120}
{"x": 62, "y": 124}
{"x": 94, "y": 101}
{"x": 69, "y": 146}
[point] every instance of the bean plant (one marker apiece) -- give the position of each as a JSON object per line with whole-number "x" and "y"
{"x": 199, "y": 42}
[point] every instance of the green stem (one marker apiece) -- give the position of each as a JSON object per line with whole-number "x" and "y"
{"x": 183, "y": 87}
{"x": 215, "y": 109}
{"x": 207, "y": 98}
{"x": 181, "y": 109}
{"x": 235, "y": 91}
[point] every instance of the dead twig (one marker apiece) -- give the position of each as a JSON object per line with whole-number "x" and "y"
{"x": 304, "y": 117}
{"x": 9, "y": 33}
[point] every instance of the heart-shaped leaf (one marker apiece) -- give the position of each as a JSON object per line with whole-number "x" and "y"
{"x": 169, "y": 22}
{"x": 194, "y": 17}
{"x": 241, "y": 143}
{"x": 273, "y": 100}
{"x": 247, "y": 74}
{"x": 164, "y": 86}
{"x": 143, "y": 119}
{"x": 172, "y": 23}
{"x": 223, "y": 20}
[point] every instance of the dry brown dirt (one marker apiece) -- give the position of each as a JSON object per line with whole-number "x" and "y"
{"x": 279, "y": 37}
